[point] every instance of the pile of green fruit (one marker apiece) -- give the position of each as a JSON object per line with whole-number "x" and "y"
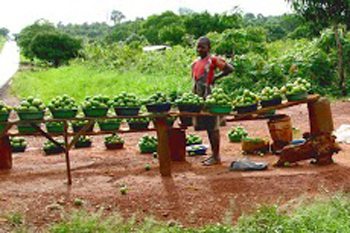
{"x": 55, "y": 126}
{"x": 4, "y": 108}
{"x": 157, "y": 98}
{"x": 4, "y": 113}
{"x": 51, "y": 148}
{"x": 113, "y": 139}
{"x": 193, "y": 139}
{"x": 115, "y": 121}
{"x": 148, "y": 144}
{"x": 50, "y": 145}
{"x": 31, "y": 104}
{"x": 189, "y": 99}
{"x": 218, "y": 97}
{"x": 64, "y": 102}
{"x": 84, "y": 139}
{"x": 248, "y": 98}
{"x": 96, "y": 102}
{"x": 299, "y": 86}
{"x": 138, "y": 120}
{"x": 237, "y": 134}
{"x": 79, "y": 124}
{"x": 269, "y": 93}
{"x": 18, "y": 142}
{"x": 126, "y": 100}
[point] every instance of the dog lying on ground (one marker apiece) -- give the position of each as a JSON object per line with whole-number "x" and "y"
{"x": 319, "y": 147}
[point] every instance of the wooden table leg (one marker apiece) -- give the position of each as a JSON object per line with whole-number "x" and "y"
{"x": 5, "y": 153}
{"x": 66, "y": 152}
{"x": 163, "y": 146}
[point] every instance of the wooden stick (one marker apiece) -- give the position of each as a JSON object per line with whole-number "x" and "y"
{"x": 81, "y": 132}
{"x": 66, "y": 152}
{"x": 46, "y": 135}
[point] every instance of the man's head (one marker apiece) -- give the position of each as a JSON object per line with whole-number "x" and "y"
{"x": 203, "y": 46}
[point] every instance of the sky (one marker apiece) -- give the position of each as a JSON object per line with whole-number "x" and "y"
{"x": 16, "y": 14}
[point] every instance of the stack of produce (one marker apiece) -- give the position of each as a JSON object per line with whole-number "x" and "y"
{"x": 158, "y": 103}
{"x": 96, "y": 106}
{"x": 126, "y": 104}
{"x": 247, "y": 102}
{"x": 296, "y": 90}
{"x": 218, "y": 102}
{"x": 50, "y": 148}
{"x": 237, "y": 134}
{"x": 270, "y": 96}
{"x": 31, "y": 109}
{"x": 148, "y": 144}
{"x": 193, "y": 139}
{"x": 113, "y": 142}
{"x": 63, "y": 107}
{"x": 83, "y": 141}
{"x": 18, "y": 144}
{"x": 190, "y": 102}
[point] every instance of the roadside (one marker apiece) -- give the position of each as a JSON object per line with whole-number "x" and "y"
{"x": 195, "y": 195}
{"x": 9, "y": 64}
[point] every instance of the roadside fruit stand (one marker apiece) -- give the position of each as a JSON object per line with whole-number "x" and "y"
{"x": 32, "y": 118}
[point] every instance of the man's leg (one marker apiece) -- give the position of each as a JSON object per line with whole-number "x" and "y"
{"x": 214, "y": 139}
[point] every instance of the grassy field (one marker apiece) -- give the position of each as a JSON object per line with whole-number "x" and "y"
{"x": 2, "y": 42}
{"x": 80, "y": 81}
{"x": 319, "y": 215}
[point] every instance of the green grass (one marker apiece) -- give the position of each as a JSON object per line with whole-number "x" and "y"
{"x": 79, "y": 81}
{"x": 321, "y": 215}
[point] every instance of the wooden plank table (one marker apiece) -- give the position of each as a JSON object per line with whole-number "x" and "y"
{"x": 161, "y": 128}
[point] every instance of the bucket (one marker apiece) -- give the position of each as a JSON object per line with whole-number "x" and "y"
{"x": 281, "y": 131}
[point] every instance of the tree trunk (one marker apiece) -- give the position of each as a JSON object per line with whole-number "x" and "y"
{"x": 341, "y": 71}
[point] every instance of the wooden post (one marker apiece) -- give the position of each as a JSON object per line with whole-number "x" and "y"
{"x": 177, "y": 144}
{"x": 66, "y": 152}
{"x": 163, "y": 146}
{"x": 320, "y": 116}
{"x": 5, "y": 153}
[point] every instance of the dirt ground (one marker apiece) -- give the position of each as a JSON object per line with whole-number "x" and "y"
{"x": 194, "y": 195}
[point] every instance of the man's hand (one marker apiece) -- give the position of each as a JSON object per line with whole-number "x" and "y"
{"x": 228, "y": 69}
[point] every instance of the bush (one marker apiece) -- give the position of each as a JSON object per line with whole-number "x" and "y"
{"x": 54, "y": 47}
{"x": 27, "y": 34}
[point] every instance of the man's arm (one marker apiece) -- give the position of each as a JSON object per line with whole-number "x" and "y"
{"x": 228, "y": 69}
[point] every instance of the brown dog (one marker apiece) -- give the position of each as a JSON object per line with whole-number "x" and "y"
{"x": 320, "y": 147}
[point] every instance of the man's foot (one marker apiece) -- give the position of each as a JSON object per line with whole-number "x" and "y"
{"x": 211, "y": 161}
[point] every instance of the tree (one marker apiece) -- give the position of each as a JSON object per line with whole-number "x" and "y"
{"x": 117, "y": 16}
{"x": 27, "y": 34}
{"x": 4, "y": 32}
{"x": 328, "y": 13}
{"x": 152, "y": 27}
{"x": 55, "y": 47}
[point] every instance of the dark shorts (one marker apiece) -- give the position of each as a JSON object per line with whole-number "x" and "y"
{"x": 208, "y": 123}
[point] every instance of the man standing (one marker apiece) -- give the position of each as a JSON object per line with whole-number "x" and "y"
{"x": 204, "y": 77}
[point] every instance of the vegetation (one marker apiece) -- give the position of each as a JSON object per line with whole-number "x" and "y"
{"x": 72, "y": 80}
{"x": 333, "y": 14}
{"x": 86, "y": 32}
{"x": 43, "y": 41}
{"x": 319, "y": 215}
{"x": 54, "y": 47}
